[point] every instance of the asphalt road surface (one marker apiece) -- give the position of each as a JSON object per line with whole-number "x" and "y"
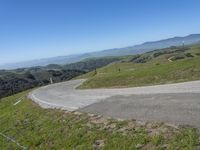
{"x": 175, "y": 103}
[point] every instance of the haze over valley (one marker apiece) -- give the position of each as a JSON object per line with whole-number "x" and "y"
{"x": 99, "y": 75}
{"x": 131, "y": 50}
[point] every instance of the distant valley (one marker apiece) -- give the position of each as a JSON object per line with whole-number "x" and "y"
{"x": 132, "y": 50}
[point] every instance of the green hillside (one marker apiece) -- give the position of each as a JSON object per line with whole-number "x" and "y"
{"x": 175, "y": 64}
{"x": 14, "y": 81}
{"x": 36, "y": 128}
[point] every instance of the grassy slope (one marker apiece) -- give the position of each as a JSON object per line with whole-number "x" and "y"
{"x": 37, "y": 128}
{"x": 157, "y": 71}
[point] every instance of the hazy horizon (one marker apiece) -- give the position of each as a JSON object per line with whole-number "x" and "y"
{"x": 33, "y": 30}
{"x": 79, "y": 53}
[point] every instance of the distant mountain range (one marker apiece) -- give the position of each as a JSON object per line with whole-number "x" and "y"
{"x": 132, "y": 50}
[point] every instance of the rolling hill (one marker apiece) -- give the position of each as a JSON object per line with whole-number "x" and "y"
{"x": 132, "y": 50}
{"x": 169, "y": 65}
{"x": 14, "y": 81}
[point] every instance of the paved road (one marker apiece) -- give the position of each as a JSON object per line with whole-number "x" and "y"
{"x": 177, "y": 103}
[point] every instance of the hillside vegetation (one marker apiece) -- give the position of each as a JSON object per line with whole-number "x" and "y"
{"x": 131, "y": 50}
{"x": 35, "y": 128}
{"x": 174, "y": 64}
{"x": 14, "y": 81}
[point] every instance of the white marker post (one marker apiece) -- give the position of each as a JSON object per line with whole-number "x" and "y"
{"x": 51, "y": 81}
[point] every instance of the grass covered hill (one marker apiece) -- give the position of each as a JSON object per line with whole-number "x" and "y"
{"x": 14, "y": 81}
{"x": 35, "y": 128}
{"x": 130, "y": 50}
{"x": 174, "y": 64}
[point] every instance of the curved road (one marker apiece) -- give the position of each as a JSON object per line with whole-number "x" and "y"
{"x": 177, "y": 103}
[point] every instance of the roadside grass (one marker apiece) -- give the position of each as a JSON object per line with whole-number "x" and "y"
{"x": 157, "y": 71}
{"x": 37, "y": 128}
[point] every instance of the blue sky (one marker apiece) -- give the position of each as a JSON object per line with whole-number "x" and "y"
{"x": 31, "y": 29}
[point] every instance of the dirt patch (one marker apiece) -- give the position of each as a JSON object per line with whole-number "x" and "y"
{"x": 98, "y": 144}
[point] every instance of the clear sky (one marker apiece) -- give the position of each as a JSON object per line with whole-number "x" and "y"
{"x": 31, "y": 29}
